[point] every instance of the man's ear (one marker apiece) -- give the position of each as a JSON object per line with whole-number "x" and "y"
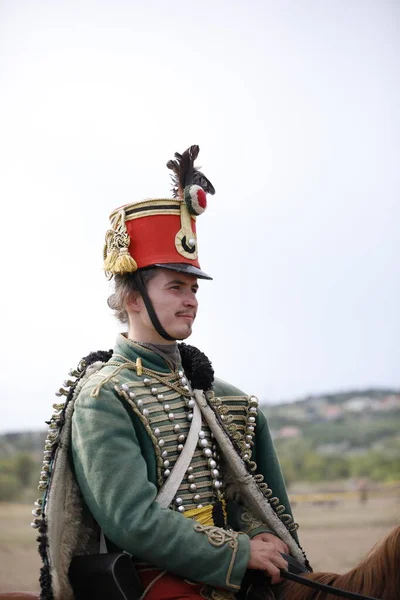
{"x": 135, "y": 303}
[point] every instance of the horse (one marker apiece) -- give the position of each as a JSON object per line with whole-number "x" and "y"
{"x": 377, "y": 576}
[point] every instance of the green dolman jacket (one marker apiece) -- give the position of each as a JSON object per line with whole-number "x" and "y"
{"x": 128, "y": 429}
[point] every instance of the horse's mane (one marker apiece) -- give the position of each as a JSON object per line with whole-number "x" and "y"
{"x": 377, "y": 575}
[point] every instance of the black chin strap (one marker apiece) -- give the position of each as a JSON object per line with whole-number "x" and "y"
{"x": 150, "y": 309}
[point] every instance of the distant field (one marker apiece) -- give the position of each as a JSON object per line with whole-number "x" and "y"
{"x": 19, "y": 559}
{"x": 334, "y": 537}
{"x": 337, "y": 537}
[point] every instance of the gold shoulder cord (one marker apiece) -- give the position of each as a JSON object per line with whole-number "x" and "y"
{"x": 141, "y": 370}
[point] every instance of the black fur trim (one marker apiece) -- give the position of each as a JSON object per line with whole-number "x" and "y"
{"x": 197, "y": 367}
{"x": 99, "y": 355}
{"x": 45, "y": 579}
{"x": 46, "y": 592}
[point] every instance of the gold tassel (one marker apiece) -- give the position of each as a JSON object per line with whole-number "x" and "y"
{"x": 117, "y": 259}
{"x": 124, "y": 263}
{"x": 109, "y": 260}
{"x": 110, "y": 252}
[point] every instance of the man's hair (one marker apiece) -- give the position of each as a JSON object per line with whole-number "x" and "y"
{"x": 124, "y": 287}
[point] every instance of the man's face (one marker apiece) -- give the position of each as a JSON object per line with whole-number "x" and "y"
{"x": 173, "y": 295}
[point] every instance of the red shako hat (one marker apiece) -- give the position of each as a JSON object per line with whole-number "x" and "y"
{"x": 162, "y": 231}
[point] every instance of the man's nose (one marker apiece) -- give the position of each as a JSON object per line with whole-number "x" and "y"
{"x": 190, "y": 299}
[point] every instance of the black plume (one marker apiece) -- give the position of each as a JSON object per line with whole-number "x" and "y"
{"x": 200, "y": 179}
{"x": 185, "y": 173}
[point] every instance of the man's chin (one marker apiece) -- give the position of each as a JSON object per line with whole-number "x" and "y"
{"x": 183, "y": 333}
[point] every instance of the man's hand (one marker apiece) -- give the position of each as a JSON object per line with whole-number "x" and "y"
{"x": 265, "y": 555}
{"x": 273, "y": 539}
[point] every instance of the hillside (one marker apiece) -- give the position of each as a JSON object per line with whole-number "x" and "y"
{"x": 356, "y": 419}
{"x": 339, "y": 436}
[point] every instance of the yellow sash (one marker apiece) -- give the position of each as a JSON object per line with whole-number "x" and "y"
{"x": 203, "y": 515}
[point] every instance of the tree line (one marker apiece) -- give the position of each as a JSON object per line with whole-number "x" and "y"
{"x": 301, "y": 462}
{"x": 19, "y": 475}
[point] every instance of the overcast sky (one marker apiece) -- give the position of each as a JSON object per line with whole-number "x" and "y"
{"x": 295, "y": 106}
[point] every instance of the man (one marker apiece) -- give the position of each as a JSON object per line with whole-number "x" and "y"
{"x": 169, "y": 461}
